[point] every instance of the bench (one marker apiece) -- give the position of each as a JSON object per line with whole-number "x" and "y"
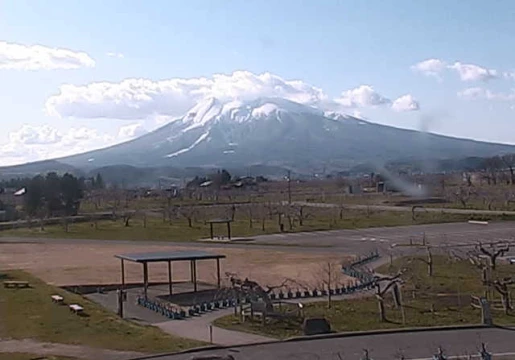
{"x": 57, "y": 299}
{"x": 16, "y": 284}
{"x": 77, "y": 309}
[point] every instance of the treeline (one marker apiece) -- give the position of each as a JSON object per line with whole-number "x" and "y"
{"x": 53, "y": 195}
{"x": 218, "y": 179}
{"x": 95, "y": 182}
{"x": 492, "y": 164}
{"x": 49, "y": 195}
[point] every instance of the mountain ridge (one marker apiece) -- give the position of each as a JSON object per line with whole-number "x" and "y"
{"x": 276, "y": 132}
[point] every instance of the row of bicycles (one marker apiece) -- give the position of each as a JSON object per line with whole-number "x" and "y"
{"x": 174, "y": 313}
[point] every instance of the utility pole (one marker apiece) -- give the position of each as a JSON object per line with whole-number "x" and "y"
{"x": 289, "y": 187}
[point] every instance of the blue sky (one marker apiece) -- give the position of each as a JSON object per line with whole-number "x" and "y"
{"x": 356, "y": 57}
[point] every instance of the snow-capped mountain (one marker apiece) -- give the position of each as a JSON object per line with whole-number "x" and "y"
{"x": 276, "y": 131}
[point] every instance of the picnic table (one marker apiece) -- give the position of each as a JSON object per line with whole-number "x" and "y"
{"x": 16, "y": 284}
{"x": 57, "y": 299}
{"x": 77, "y": 309}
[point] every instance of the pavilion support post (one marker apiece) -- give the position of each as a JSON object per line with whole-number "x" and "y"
{"x": 121, "y": 291}
{"x": 123, "y": 274}
{"x": 195, "y": 275}
{"x": 191, "y": 271}
{"x": 211, "y": 230}
{"x": 145, "y": 280}
{"x": 170, "y": 277}
{"x": 218, "y": 272}
{"x": 229, "y": 230}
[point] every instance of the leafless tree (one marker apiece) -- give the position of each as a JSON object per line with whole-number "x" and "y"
{"x": 302, "y": 214}
{"x": 390, "y": 282}
{"x": 492, "y": 166}
{"x": 501, "y": 286}
{"x": 494, "y": 252}
{"x": 127, "y": 216}
{"x": 509, "y": 161}
{"x": 328, "y": 276}
{"x": 428, "y": 261}
{"x": 231, "y": 212}
{"x": 66, "y": 223}
{"x": 250, "y": 215}
{"x": 94, "y": 221}
{"x": 263, "y": 215}
{"x": 189, "y": 213}
{"x": 463, "y": 195}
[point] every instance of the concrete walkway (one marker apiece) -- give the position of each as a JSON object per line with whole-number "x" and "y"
{"x": 198, "y": 328}
{"x": 76, "y": 351}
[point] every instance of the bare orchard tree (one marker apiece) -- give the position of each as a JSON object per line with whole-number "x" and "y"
{"x": 509, "y": 161}
{"x": 250, "y": 214}
{"x": 428, "y": 261}
{"x": 381, "y": 290}
{"x": 127, "y": 216}
{"x": 328, "y": 277}
{"x": 302, "y": 214}
{"x": 263, "y": 216}
{"x": 189, "y": 213}
{"x": 231, "y": 212}
{"x": 66, "y": 223}
{"x": 480, "y": 263}
{"x": 463, "y": 195}
{"x": 501, "y": 286}
{"x": 493, "y": 166}
{"x": 493, "y": 252}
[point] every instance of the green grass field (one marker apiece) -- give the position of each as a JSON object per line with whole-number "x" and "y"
{"x": 448, "y": 292}
{"x": 30, "y": 313}
{"x": 178, "y": 229}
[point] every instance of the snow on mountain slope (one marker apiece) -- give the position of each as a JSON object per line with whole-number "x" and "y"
{"x": 182, "y": 151}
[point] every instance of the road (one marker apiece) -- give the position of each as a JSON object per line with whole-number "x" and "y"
{"x": 406, "y": 208}
{"x": 414, "y": 345}
{"x": 356, "y": 241}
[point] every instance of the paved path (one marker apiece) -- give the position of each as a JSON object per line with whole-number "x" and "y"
{"x": 415, "y": 345}
{"x": 76, "y": 351}
{"x": 198, "y": 328}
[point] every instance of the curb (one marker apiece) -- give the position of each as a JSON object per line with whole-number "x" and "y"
{"x": 386, "y": 332}
{"x": 322, "y": 337}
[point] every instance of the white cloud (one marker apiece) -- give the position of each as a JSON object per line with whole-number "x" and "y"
{"x": 37, "y": 57}
{"x": 32, "y": 143}
{"x": 165, "y": 100}
{"x": 131, "y": 131}
{"x": 476, "y": 93}
{"x": 115, "y": 55}
{"x": 35, "y": 135}
{"x": 136, "y": 99}
{"x": 471, "y": 72}
{"x": 509, "y": 75}
{"x": 472, "y": 93}
{"x": 362, "y": 96}
{"x": 430, "y": 67}
{"x": 405, "y": 103}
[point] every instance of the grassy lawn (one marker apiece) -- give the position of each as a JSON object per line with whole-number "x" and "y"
{"x": 447, "y": 292}
{"x": 178, "y": 230}
{"x": 24, "y": 356}
{"x": 30, "y": 313}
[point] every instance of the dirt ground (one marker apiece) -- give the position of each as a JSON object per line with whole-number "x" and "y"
{"x": 81, "y": 264}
